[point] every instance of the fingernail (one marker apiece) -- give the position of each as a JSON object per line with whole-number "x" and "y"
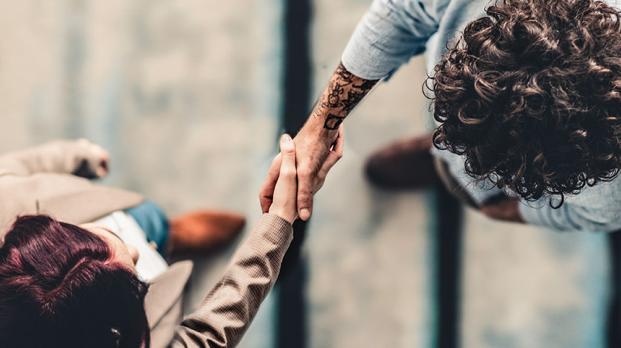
{"x": 304, "y": 214}
{"x": 287, "y": 142}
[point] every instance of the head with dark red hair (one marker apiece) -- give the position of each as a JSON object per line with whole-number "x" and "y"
{"x": 64, "y": 286}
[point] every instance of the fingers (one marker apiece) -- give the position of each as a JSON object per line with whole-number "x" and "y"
{"x": 286, "y": 187}
{"x": 287, "y": 150}
{"x": 335, "y": 154}
{"x": 284, "y": 195}
{"x": 305, "y": 194}
{"x": 267, "y": 189}
{"x": 309, "y": 182}
{"x": 284, "y": 161}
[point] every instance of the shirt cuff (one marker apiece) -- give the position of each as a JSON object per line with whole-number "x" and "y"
{"x": 358, "y": 60}
{"x": 275, "y": 229}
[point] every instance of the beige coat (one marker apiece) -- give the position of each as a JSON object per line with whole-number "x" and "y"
{"x": 39, "y": 180}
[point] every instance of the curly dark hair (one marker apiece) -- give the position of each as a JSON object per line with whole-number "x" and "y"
{"x": 530, "y": 95}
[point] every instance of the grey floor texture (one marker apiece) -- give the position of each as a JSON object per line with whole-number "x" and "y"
{"x": 186, "y": 96}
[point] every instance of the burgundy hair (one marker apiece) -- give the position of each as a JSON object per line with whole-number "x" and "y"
{"x": 60, "y": 287}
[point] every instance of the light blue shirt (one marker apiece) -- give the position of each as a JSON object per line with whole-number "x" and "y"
{"x": 393, "y": 31}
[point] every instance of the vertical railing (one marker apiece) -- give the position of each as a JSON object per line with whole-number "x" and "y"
{"x": 613, "y": 331}
{"x": 297, "y": 85}
{"x": 448, "y": 250}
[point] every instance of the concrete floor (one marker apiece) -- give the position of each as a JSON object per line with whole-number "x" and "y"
{"x": 185, "y": 94}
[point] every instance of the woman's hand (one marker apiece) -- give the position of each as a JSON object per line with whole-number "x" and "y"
{"x": 284, "y": 200}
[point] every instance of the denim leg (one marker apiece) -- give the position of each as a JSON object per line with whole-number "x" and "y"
{"x": 153, "y": 222}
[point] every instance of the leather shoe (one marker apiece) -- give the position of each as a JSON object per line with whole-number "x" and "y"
{"x": 404, "y": 165}
{"x": 203, "y": 231}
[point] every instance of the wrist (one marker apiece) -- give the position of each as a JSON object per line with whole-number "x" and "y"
{"x": 315, "y": 129}
{"x": 283, "y": 214}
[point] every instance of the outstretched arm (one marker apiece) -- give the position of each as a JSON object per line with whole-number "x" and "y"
{"x": 227, "y": 311}
{"x": 315, "y": 142}
{"x": 345, "y": 90}
{"x": 391, "y": 32}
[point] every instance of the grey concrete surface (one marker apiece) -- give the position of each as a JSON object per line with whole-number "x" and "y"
{"x": 185, "y": 94}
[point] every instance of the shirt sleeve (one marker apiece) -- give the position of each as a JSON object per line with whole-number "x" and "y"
{"x": 390, "y": 33}
{"x": 572, "y": 217}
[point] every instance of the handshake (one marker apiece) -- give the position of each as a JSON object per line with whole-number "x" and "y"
{"x": 288, "y": 191}
{"x": 295, "y": 175}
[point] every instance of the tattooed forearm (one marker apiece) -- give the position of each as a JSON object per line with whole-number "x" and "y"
{"x": 343, "y": 94}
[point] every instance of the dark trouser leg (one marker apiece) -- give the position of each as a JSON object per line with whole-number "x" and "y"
{"x": 153, "y": 221}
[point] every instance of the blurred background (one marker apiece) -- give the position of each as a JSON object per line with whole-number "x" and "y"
{"x": 189, "y": 96}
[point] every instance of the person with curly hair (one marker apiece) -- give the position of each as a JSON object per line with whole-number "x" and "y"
{"x": 525, "y": 95}
{"x": 528, "y": 100}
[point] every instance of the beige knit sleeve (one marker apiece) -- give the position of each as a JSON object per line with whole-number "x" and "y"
{"x": 227, "y": 311}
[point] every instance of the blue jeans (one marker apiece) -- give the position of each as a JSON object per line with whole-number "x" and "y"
{"x": 153, "y": 221}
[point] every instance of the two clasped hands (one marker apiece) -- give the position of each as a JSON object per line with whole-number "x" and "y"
{"x": 299, "y": 171}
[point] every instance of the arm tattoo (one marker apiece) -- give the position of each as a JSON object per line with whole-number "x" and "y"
{"x": 343, "y": 94}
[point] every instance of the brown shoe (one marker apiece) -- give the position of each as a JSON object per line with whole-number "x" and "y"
{"x": 203, "y": 231}
{"x": 404, "y": 165}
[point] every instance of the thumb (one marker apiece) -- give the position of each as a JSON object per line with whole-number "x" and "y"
{"x": 267, "y": 189}
{"x": 287, "y": 149}
{"x": 305, "y": 199}
{"x": 287, "y": 180}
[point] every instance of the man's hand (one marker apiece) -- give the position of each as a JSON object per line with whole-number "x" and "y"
{"x": 503, "y": 210}
{"x": 314, "y": 161}
{"x": 320, "y": 142}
